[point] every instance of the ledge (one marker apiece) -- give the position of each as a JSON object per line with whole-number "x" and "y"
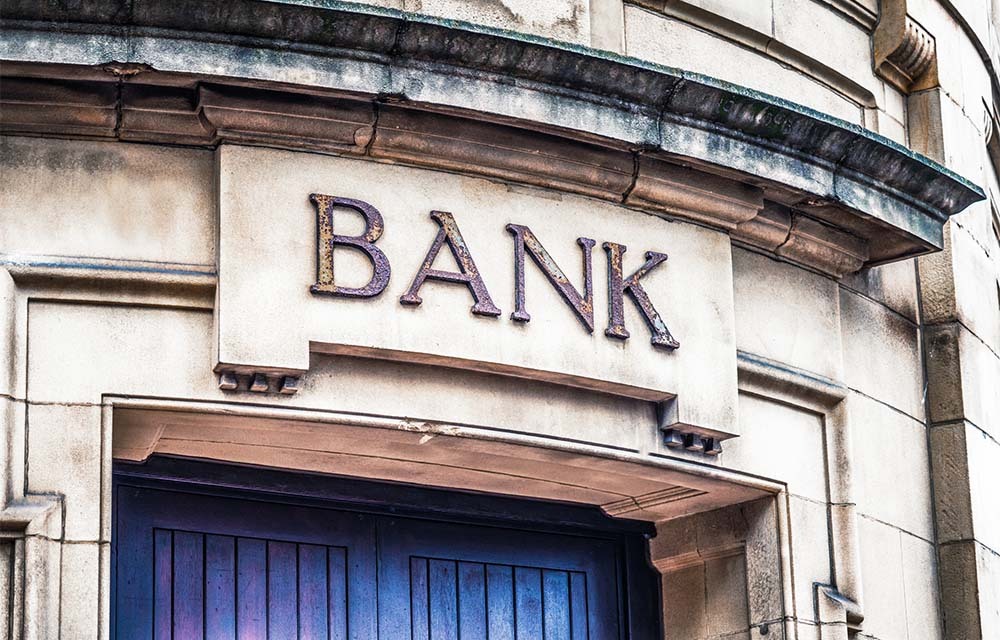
{"x": 448, "y": 95}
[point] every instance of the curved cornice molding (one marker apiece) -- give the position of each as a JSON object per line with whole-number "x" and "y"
{"x": 362, "y": 80}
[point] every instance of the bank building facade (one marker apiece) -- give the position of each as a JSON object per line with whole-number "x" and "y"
{"x": 500, "y": 319}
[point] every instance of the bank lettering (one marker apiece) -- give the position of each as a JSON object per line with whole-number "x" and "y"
{"x": 525, "y": 244}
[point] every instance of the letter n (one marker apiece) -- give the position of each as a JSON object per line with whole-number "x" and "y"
{"x": 583, "y": 305}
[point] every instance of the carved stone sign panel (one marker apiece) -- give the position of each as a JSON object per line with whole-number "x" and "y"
{"x": 335, "y": 255}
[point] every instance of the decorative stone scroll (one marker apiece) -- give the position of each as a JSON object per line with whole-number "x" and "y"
{"x": 905, "y": 52}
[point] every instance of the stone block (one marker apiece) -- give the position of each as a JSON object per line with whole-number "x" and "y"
{"x": 975, "y": 274}
{"x": 960, "y": 590}
{"x": 779, "y": 442}
{"x": 966, "y": 465}
{"x": 893, "y": 103}
{"x": 658, "y": 38}
{"x": 984, "y": 480}
{"x": 920, "y": 584}
{"x": 950, "y": 468}
{"x": 64, "y": 457}
{"x": 568, "y": 20}
{"x": 726, "y": 596}
{"x": 881, "y": 354}
{"x": 988, "y": 563}
{"x": 898, "y": 493}
{"x": 684, "y": 602}
{"x": 960, "y": 282}
{"x": 786, "y": 313}
{"x": 135, "y": 350}
{"x": 607, "y": 25}
{"x": 882, "y": 580}
{"x": 757, "y": 15}
{"x": 40, "y": 596}
{"x": 963, "y": 378}
{"x": 892, "y": 128}
{"x": 963, "y": 140}
{"x": 120, "y": 201}
{"x": 8, "y": 325}
{"x": 763, "y": 558}
{"x": 8, "y": 600}
{"x": 808, "y": 631}
{"x": 893, "y": 284}
{"x": 79, "y": 595}
{"x": 810, "y": 553}
{"x": 816, "y": 30}
{"x": 11, "y": 448}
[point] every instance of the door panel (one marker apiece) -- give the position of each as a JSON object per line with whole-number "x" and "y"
{"x": 449, "y": 580}
{"x": 196, "y": 566}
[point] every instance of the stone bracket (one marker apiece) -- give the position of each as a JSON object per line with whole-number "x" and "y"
{"x": 258, "y": 381}
{"x": 677, "y": 434}
{"x": 905, "y": 53}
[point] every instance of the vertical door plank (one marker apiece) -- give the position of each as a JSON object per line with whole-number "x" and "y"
{"x": 556, "y": 604}
{"x": 282, "y": 587}
{"x": 189, "y": 585}
{"x": 163, "y": 584}
{"x": 337, "y": 594}
{"x": 443, "y": 581}
{"x": 220, "y": 589}
{"x": 312, "y": 592}
{"x": 500, "y": 602}
{"x": 579, "y": 614}
{"x": 419, "y": 599}
{"x": 251, "y": 589}
{"x": 528, "y": 603}
{"x": 471, "y": 600}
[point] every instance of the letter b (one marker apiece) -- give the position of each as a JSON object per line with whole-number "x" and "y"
{"x": 365, "y": 243}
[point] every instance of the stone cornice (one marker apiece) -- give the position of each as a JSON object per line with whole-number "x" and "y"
{"x": 465, "y": 98}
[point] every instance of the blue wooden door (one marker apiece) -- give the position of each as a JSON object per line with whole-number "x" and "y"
{"x": 194, "y": 566}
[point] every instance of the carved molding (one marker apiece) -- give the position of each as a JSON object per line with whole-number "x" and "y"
{"x": 905, "y": 53}
{"x": 212, "y": 113}
{"x": 823, "y": 247}
{"x": 459, "y": 97}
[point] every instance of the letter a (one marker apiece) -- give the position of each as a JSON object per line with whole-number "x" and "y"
{"x": 617, "y": 287}
{"x": 583, "y": 305}
{"x": 364, "y": 243}
{"x": 469, "y": 275}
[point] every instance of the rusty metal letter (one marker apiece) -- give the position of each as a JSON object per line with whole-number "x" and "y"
{"x": 365, "y": 243}
{"x": 583, "y": 306}
{"x": 619, "y": 286}
{"x": 469, "y": 275}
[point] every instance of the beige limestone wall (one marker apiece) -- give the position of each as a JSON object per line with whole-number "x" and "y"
{"x": 75, "y": 347}
{"x": 864, "y": 334}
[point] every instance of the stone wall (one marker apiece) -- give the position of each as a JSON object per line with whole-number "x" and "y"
{"x": 868, "y": 405}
